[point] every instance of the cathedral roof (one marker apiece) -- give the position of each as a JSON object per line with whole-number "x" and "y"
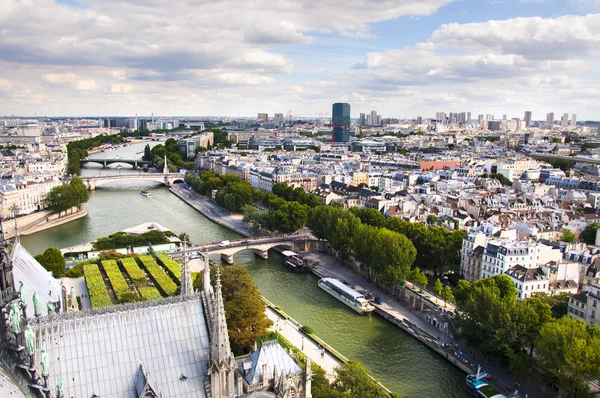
{"x": 274, "y": 356}
{"x": 8, "y": 389}
{"x": 35, "y": 278}
{"x": 100, "y": 351}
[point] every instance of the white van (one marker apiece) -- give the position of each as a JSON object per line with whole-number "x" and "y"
{"x": 224, "y": 243}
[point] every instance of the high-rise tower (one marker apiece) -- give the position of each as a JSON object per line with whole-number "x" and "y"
{"x": 340, "y": 121}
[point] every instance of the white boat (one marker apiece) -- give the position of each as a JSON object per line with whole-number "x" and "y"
{"x": 346, "y": 295}
{"x": 145, "y": 192}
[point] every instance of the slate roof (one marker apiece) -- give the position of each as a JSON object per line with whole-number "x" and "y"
{"x": 100, "y": 352}
{"x": 8, "y": 389}
{"x": 35, "y": 278}
{"x": 272, "y": 354}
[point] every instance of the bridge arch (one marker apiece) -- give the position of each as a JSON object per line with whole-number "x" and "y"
{"x": 166, "y": 179}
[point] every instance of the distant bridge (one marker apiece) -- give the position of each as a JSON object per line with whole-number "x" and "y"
{"x": 260, "y": 246}
{"x": 164, "y": 178}
{"x": 105, "y": 162}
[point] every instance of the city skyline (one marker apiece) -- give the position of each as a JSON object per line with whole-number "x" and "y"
{"x": 403, "y": 59}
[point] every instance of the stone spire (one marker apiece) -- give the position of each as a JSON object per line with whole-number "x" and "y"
{"x": 221, "y": 365}
{"x": 207, "y": 288}
{"x": 166, "y": 166}
{"x": 186, "y": 279}
{"x": 220, "y": 350}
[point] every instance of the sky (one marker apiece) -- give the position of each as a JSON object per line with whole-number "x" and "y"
{"x": 402, "y": 58}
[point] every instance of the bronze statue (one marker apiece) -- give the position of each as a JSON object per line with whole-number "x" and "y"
{"x": 15, "y": 317}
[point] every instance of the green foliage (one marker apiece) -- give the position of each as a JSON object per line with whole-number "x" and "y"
{"x": 52, "y": 260}
{"x": 74, "y": 272}
{"x": 121, "y": 239}
{"x": 174, "y": 159}
{"x": 589, "y": 233}
{"x": 568, "y": 236}
{"x": 418, "y": 277}
{"x": 307, "y": 329}
{"x": 569, "y": 350}
{"x": 369, "y": 216}
{"x": 437, "y": 287}
{"x": 149, "y": 293}
{"x": 244, "y": 308}
{"x": 160, "y": 279}
{"x": 258, "y": 218}
{"x": 172, "y": 266}
{"x": 137, "y": 276}
{"x": 96, "y": 288}
{"x": 493, "y": 320}
{"x": 559, "y": 303}
{"x": 563, "y": 164}
{"x": 503, "y": 180}
{"x": 235, "y": 195}
{"x": 447, "y": 295}
{"x": 117, "y": 282}
{"x": 290, "y": 217}
{"x": 112, "y": 255}
{"x": 437, "y": 247}
{"x": 64, "y": 197}
{"x": 431, "y": 219}
{"x": 388, "y": 253}
{"x": 148, "y": 155}
{"x": 353, "y": 380}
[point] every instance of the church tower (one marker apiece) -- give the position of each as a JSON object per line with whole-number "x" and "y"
{"x": 221, "y": 365}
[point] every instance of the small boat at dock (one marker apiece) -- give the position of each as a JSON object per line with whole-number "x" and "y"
{"x": 294, "y": 261}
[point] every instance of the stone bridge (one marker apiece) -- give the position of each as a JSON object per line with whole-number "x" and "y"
{"x": 105, "y": 162}
{"x": 260, "y": 246}
{"x": 164, "y": 178}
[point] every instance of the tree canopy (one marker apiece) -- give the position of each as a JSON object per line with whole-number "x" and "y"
{"x": 53, "y": 260}
{"x": 64, "y": 197}
{"x": 589, "y": 233}
{"x": 244, "y": 308}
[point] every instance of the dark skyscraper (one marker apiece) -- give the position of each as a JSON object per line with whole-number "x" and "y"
{"x": 340, "y": 118}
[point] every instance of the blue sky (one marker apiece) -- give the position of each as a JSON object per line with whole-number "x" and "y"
{"x": 404, "y": 58}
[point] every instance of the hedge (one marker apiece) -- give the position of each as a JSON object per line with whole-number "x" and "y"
{"x": 149, "y": 293}
{"x": 171, "y": 265}
{"x": 115, "y": 277}
{"x": 137, "y": 276}
{"x": 161, "y": 280}
{"x": 96, "y": 288}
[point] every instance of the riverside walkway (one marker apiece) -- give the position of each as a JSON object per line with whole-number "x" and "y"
{"x": 289, "y": 329}
{"x": 211, "y": 211}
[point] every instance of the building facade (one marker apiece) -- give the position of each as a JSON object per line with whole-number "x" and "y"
{"x": 340, "y": 120}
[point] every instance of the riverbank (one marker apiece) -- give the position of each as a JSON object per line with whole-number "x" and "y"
{"x": 55, "y": 220}
{"x": 210, "y": 210}
{"x": 40, "y": 221}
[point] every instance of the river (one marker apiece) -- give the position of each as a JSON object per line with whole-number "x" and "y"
{"x": 396, "y": 359}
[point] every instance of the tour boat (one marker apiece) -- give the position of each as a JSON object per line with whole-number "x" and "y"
{"x": 479, "y": 388}
{"x": 346, "y": 295}
{"x": 294, "y": 261}
{"x": 145, "y": 192}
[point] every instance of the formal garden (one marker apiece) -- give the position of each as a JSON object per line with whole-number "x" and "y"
{"x": 129, "y": 279}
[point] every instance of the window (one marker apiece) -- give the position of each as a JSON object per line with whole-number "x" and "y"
{"x": 593, "y": 316}
{"x": 526, "y": 288}
{"x": 595, "y": 305}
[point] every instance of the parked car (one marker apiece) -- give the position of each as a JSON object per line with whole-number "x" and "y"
{"x": 378, "y": 300}
{"x": 224, "y": 243}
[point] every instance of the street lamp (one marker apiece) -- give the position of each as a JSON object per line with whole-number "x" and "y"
{"x": 302, "y": 343}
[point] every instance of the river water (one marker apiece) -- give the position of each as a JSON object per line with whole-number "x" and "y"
{"x": 396, "y": 359}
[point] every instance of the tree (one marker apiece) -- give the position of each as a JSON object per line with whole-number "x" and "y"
{"x": 63, "y": 197}
{"x": 437, "y": 287}
{"x": 369, "y": 216}
{"x": 559, "y": 303}
{"x": 431, "y": 219}
{"x": 447, "y": 294}
{"x": 418, "y": 277}
{"x": 52, "y": 260}
{"x": 79, "y": 191}
{"x": 244, "y": 308}
{"x": 353, "y": 380}
{"x": 290, "y": 217}
{"x": 589, "y": 233}
{"x": 184, "y": 237}
{"x": 148, "y": 155}
{"x": 235, "y": 195}
{"x": 568, "y": 236}
{"x": 569, "y": 350}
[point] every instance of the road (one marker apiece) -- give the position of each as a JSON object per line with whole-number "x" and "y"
{"x": 210, "y": 210}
